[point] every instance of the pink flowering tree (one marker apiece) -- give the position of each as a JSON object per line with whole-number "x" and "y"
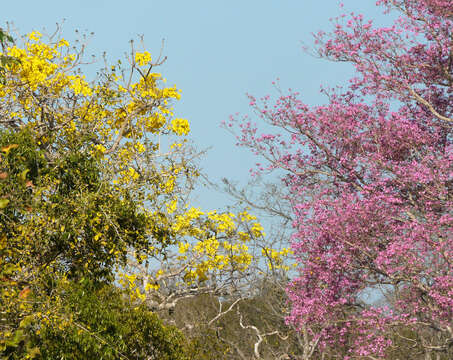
{"x": 370, "y": 178}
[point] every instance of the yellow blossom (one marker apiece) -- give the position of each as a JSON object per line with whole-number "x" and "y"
{"x": 143, "y": 58}
{"x": 180, "y": 126}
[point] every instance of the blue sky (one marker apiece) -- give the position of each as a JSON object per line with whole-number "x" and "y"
{"x": 217, "y": 52}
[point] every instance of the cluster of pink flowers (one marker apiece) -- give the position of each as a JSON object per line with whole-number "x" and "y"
{"x": 371, "y": 179}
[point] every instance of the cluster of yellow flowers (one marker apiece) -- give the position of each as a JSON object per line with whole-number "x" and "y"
{"x": 129, "y": 283}
{"x": 180, "y": 126}
{"x": 143, "y": 58}
{"x": 276, "y": 258}
{"x": 210, "y": 254}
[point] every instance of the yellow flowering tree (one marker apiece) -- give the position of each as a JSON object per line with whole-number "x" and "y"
{"x": 87, "y": 192}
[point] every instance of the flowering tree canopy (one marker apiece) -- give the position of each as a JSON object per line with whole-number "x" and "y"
{"x": 371, "y": 181}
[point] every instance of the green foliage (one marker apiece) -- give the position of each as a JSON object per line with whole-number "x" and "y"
{"x": 5, "y": 39}
{"x": 100, "y": 324}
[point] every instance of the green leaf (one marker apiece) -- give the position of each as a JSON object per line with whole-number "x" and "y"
{"x": 26, "y": 321}
{"x": 23, "y": 174}
{"x": 5, "y": 37}
{"x": 3, "y": 203}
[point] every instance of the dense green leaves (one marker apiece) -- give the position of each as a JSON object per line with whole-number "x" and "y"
{"x": 103, "y": 325}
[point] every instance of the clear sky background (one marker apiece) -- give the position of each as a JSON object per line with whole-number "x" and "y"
{"x": 217, "y": 52}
